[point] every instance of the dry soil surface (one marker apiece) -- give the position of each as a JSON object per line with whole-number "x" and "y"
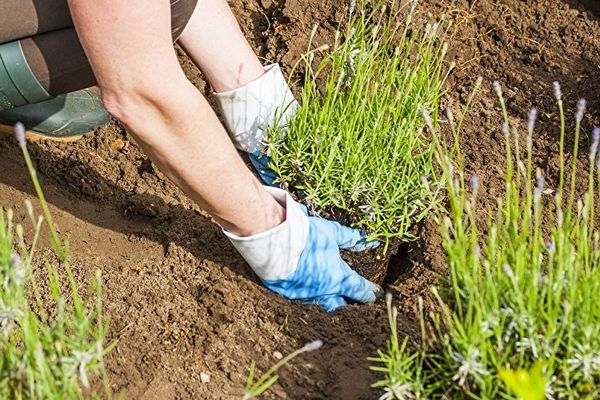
{"x": 183, "y": 303}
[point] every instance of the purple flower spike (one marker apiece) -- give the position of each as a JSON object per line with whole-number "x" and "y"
{"x": 595, "y": 141}
{"x": 449, "y": 114}
{"x": 532, "y": 117}
{"x": 312, "y": 346}
{"x": 15, "y": 261}
{"x": 20, "y": 134}
{"x": 539, "y": 187}
{"x": 580, "y": 109}
{"x": 413, "y": 5}
{"x": 474, "y": 181}
{"x": 427, "y": 118}
{"x": 560, "y": 217}
{"x": 497, "y": 88}
{"x": 557, "y": 91}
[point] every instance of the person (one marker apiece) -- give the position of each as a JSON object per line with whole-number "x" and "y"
{"x": 53, "y": 51}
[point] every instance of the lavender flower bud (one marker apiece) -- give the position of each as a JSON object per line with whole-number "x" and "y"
{"x": 508, "y": 271}
{"x": 427, "y": 119}
{"x": 425, "y": 183}
{"x": 20, "y": 134}
{"x": 550, "y": 246}
{"x": 18, "y": 269}
{"x": 595, "y": 141}
{"x": 450, "y": 167}
{"x": 497, "y": 88}
{"x": 521, "y": 166}
{"x": 432, "y": 31}
{"x": 450, "y": 115}
{"x": 557, "y": 91}
{"x": 312, "y": 346}
{"x": 532, "y": 118}
{"x": 541, "y": 182}
{"x": 505, "y": 128}
{"x": 477, "y": 251}
{"x": 580, "y": 109}
{"x": 539, "y": 187}
{"x": 352, "y": 6}
{"x": 388, "y": 299}
{"x": 560, "y": 217}
{"x": 15, "y": 261}
{"x": 413, "y": 5}
{"x": 474, "y": 181}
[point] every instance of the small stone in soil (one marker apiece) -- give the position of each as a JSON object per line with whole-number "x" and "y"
{"x": 204, "y": 377}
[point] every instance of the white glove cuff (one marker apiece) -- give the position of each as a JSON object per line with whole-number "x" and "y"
{"x": 250, "y": 109}
{"x": 274, "y": 254}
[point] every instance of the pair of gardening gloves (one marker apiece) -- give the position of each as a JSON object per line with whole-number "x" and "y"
{"x": 300, "y": 258}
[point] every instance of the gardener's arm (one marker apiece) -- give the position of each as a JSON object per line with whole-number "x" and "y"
{"x": 129, "y": 47}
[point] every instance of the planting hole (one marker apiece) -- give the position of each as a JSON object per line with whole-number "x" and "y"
{"x": 398, "y": 266}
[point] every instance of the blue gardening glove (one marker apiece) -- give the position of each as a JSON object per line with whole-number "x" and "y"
{"x": 300, "y": 259}
{"x": 250, "y": 109}
{"x": 260, "y": 162}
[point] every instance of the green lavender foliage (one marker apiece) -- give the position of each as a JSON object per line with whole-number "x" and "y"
{"x": 357, "y": 141}
{"x": 521, "y": 293}
{"x": 48, "y": 348}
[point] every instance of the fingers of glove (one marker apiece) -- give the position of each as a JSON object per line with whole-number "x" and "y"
{"x": 378, "y": 290}
{"x": 331, "y": 303}
{"x": 260, "y": 162}
{"x": 352, "y": 239}
{"x": 357, "y": 288}
{"x": 364, "y": 244}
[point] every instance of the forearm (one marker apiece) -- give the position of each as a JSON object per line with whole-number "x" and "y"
{"x": 216, "y": 44}
{"x": 129, "y": 48}
{"x": 182, "y": 135}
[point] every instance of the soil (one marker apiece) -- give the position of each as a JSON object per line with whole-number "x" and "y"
{"x": 183, "y": 303}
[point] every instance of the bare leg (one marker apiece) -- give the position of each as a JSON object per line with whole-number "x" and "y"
{"x": 214, "y": 41}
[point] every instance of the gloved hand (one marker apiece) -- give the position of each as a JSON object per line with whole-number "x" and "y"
{"x": 260, "y": 162}
{"x": 249, "y": 110}
{"x": 300, "y": 258}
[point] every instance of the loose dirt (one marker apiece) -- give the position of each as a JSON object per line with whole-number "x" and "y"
{"x": 182, "y": 302}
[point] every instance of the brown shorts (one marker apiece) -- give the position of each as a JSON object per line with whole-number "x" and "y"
{"x": 50, "y": 42}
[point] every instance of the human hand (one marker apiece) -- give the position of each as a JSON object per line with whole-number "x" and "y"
{"x": 300, "y": 258}
{"x": 260, "y": 162}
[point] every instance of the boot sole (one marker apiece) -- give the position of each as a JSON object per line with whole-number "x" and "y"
{"x": 8, "y": 130}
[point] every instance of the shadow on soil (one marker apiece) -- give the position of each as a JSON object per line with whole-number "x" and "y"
{"x": 352, "y": 335}
{"x": 144, "y": 214}
{"x": 592, "y": 6}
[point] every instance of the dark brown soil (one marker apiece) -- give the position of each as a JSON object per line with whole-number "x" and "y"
{"x": 182, "y": 302}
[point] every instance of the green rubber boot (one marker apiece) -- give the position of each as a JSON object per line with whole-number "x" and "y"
{"x": 23, "y": 99}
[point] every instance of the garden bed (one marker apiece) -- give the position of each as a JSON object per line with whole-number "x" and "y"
{"x": 183, "y": 303}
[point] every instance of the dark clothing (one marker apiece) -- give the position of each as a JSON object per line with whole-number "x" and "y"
{"x": 50, "y": 43}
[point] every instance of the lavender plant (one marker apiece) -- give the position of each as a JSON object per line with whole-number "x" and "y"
{"x": 47, "y": 351}
{"x": 265, "y": 381}
{"x": 521, "y": 293}
{"x": 357, "y": 142}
